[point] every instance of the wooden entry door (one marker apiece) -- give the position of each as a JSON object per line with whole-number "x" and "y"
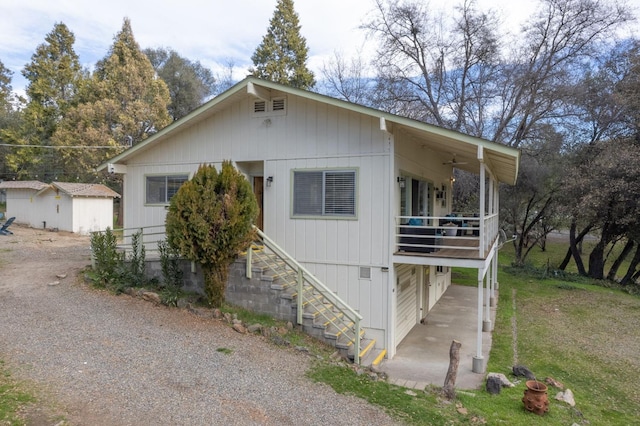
{"x": 258, "y": 191}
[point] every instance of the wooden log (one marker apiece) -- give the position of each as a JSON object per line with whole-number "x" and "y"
{"x": 452, "y": 372}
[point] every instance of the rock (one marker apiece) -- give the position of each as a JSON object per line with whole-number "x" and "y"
{"x": 521, "y": 370}
{"x": 566, "y": 396}
{"x": 503, "y": 379}
{"x": 227, "y": 317}
{"x": 374, "y": 377}
{"x": 236, "y": 321}
{"x": 53, "y": 283}
{"x": 410, "y": 392}
{"x": 131, "y": 291}
{"x": 61, "y": 276}
{"x": 151, "y": 297}
{"x": 278, "y": 340}
{"x": 201, "y": 312}
{"x": 494, "y": 385}
{"x": 217, "y": 313}
{"x": 289, "y": 326}
{"x": 282, "y": 331}
{"x": 255, "y": 328}
{"x": 239, "y": 328}
{"x": 302, "y": 349}
{"x": 183, "y": 303}
{"x": 553, "y": 382}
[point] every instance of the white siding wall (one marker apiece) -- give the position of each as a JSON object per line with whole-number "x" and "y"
{"x": 412, "y": 159}
{"x": 55, "y": 209}
{"x": 92, "y": 214}
{"x": 310, "y": 135}
{"x": 20, "y": 204}
{"x": 60, "y": 211}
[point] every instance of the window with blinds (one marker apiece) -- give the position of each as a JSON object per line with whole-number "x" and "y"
{"x": 324, "y": 193}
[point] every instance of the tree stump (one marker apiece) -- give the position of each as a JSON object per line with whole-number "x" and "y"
{"x": 452, "y": 372}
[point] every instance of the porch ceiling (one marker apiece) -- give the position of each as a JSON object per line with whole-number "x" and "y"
{"x": 501, "y": 160}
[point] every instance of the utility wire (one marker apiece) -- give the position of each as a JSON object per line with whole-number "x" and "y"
{"x": 63, "y": 147}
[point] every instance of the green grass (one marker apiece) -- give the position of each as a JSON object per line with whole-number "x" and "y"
{"x": 569, "y": 328}
{"x": 12, "y": 399}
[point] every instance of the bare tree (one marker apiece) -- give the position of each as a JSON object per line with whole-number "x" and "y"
{"x": 455, "y": 74}
{"x": 347, "y": 79}
{"x": 537, "y": 77}
{"x": 436, "y": 70}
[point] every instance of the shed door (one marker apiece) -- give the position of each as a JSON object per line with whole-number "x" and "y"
{"x": 406, "y": 297}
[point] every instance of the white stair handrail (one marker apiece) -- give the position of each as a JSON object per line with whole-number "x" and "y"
{"x": 303, "y": 273}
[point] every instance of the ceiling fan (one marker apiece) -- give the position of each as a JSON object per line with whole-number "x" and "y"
{"x": 453, "y": 162}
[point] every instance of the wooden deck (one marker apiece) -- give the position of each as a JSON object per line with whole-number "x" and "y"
{"x": 450, "y": 247}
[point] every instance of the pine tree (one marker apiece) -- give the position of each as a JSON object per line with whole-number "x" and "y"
{"x": 8, "y": 118}
{"x": 122, "y": 104}
{"x": 282, "y": 55}
{"x": 54, "y": 76}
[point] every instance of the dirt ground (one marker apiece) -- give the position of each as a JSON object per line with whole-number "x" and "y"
{"x": 49, "y": 253}
{"x": 32, "y": 261}
{"x": 93, "y": 358}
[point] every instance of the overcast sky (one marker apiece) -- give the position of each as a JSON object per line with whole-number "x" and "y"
{"x": 213, "y": 32}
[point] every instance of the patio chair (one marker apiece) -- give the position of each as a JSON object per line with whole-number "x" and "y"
{"x": 4, "y": 229}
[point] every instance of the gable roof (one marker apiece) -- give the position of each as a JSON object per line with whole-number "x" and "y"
{"x": 502, "y": 160}
{"x": 23, "y": 184}
{"x": 95, "y": 190}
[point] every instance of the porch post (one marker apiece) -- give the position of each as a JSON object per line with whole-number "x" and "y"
{"x": 486, "y": 324}
{"x": 494, "y": 277}
{"x": 482, "y": 234}
{"x": 478, "y": 360}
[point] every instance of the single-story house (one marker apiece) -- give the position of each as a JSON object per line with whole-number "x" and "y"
{"x": 74, "y": 207}
{"x": 360, "y": 197}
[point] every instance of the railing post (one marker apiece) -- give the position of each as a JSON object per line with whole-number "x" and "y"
{"x": 300, "y": 287}
{"x": 248, "y": 269}
{"x": 356, "y": 343}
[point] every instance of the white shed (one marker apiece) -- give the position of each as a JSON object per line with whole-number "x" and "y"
{"x": 77, "y": 207}
{"x": 20, "y": 199}
{"x": 74, "y": 207}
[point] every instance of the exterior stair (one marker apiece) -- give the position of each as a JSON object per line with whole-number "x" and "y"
{"x": 323, "y": 314}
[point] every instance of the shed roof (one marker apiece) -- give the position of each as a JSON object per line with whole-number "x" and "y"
{"x": 85, "y": 189}
{"x": 23, "y": 184}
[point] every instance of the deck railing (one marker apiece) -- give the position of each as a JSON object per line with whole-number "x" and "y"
{"x": 472, "y": 234}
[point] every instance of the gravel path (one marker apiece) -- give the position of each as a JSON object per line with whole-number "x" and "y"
{"x": 116, "y": 360}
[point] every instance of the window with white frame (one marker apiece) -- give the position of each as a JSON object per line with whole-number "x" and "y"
{"x": 324, "y": 193}
{"x": 160, "y": 189}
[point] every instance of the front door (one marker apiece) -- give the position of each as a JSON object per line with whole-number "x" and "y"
{"x": 258, "y": 191}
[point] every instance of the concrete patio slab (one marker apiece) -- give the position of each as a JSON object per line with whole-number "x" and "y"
{"x": 423, "y": 356}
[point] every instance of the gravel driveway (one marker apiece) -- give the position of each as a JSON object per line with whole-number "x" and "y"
{"x": 116, "y": 360}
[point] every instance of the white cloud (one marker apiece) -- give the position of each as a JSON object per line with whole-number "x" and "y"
{"x": 211, "y": 31}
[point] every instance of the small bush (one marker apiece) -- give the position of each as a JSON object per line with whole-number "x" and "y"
{"x": 107, "y": 259}
{"x": 172, "y": 275}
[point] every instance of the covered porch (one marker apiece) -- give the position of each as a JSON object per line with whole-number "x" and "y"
{"x": 422, "y": 358}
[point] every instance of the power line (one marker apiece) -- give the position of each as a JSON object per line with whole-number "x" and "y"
{"x": 63, "y": 147}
